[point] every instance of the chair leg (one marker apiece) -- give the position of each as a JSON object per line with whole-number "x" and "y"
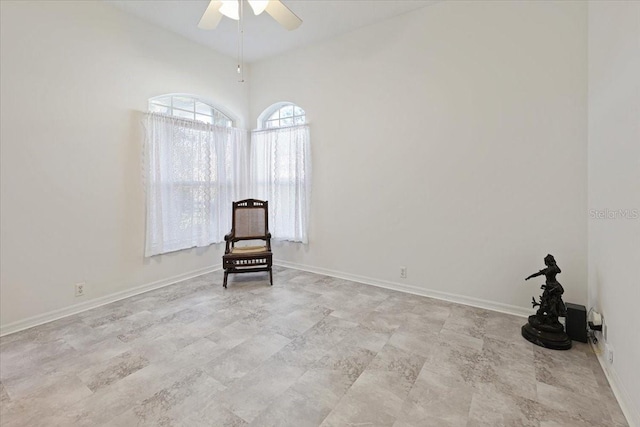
{"x": 270, "y": 277}
{"x": 224, "y": 284}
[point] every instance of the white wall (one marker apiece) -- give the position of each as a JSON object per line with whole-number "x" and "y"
{"x": 614, "y": 183}
{"x": 451, "y": 140}
{"x": 74, "y": 78}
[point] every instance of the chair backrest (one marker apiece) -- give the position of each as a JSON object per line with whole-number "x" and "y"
{"x": 250, "y": 219}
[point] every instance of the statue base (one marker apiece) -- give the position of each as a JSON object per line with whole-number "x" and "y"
{"x": 549, "y": 336}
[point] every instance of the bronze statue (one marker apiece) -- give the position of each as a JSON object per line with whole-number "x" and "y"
{"x": 551, "y": 304}
{"x": 544, "y": 328}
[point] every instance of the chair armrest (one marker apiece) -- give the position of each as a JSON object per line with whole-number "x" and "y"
{"x": 268, "y": 240}
{"x": 228, "y": 238}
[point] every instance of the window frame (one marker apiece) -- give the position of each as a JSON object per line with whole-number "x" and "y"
{"x": 293, "y": 226}
{"x": 204, "y": 194}
{"x": 218, "y": 116}
{"x": 266, "y": 116}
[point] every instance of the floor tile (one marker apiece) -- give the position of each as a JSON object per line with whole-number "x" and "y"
{"x": 311, "y": 350}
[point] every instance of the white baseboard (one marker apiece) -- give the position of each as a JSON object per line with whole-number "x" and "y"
{"x": 629, "y": 410}
{"x": 107, "y": 299}
{"x": 626, "y": 404}
{"x": 460, "y": 299}
{"x": 97, "y": 302}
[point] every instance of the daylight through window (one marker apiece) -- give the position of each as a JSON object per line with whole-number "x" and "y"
{"x": 191, "y": 153}
{"x": 281, "y": 170}
{"x": 189, "y": 107}
{"x": 284, "y": 115}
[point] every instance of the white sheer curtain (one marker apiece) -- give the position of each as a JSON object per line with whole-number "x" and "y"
{"x": 281, "y": 174}
{"x": 193, "y": 171}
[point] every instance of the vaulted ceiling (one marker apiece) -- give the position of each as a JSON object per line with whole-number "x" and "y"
{"x": 264, "y": 37}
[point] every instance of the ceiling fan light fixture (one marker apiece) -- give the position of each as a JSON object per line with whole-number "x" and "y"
{"x": 258, "y": 6}
{"x": 230, "y": 9}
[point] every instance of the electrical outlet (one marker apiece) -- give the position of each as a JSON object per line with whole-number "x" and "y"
{"x": 403, "y": 272}
{"x": 609, "y": 353}
{"x": 80, "y": 289}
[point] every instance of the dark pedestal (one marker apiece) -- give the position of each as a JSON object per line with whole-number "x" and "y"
{"x": 548, "y": 336}
{"x": 576, "y": 322}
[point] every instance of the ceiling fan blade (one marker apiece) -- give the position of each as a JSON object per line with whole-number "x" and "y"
{"x": 211, "y": 17}
{"x": 283, "y": 15}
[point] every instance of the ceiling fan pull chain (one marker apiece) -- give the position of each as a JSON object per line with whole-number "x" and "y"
{"x": 241, "y": 41}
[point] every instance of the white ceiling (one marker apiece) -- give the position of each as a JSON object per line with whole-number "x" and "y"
{"x": 264, "y": 37}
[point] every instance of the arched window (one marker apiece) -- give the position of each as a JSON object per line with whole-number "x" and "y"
{"x": 189, "y": 107}
{"x": 281, "y": 169}
{"x": 191, "y": 154}
{"x": 281, "y": 115}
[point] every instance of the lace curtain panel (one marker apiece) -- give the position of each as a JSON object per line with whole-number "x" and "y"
{"x": 193, "y": 172}
{"x": 281, "y": 174}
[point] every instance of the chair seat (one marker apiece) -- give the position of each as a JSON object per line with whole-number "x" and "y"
{"x": 248, "y": 250}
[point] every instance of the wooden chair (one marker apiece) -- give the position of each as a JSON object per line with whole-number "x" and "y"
{"x": 250, "y": 222}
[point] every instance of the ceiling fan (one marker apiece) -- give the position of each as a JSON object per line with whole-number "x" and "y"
{"x": 233, "y": 9}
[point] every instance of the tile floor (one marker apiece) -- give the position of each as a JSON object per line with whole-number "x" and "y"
{"x": 309, "y": 351}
